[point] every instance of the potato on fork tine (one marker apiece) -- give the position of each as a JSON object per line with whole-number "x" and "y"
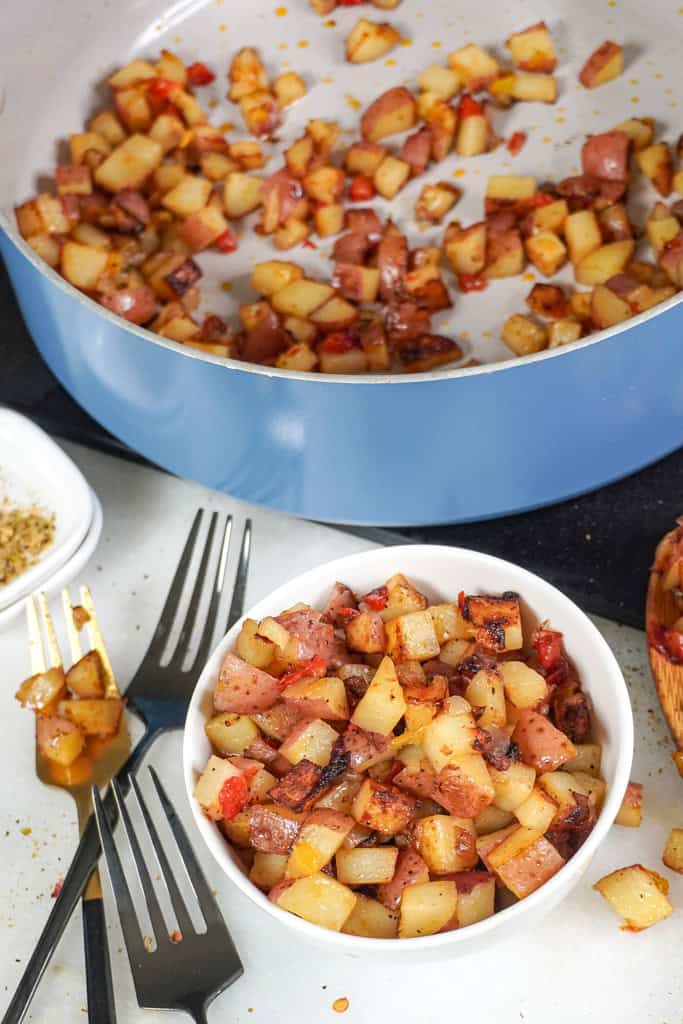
{"x": 101, "y": 1007}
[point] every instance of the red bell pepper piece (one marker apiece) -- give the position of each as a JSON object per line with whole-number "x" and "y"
{"x": 199, "y": 74}
{"x": 234, "y": 795}
{"x": 377, "y": 599}
{"x": 315, "y": 667}
{"x": 226, "y": 242}
{"x": 362, "y": 189}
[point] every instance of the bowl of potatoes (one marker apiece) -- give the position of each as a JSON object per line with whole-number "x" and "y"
{"x": 409, "y": 749}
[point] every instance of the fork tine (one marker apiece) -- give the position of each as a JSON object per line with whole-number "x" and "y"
{"x": 159, "y": 927}
{"x": 71, "y": 631}
{"x": 207, "y": 903}
{"x": 188, "y": 625}
{"x": 237, "y": 603}
{"x": 218, "y": 583}
{"x": 97, "y": 642}
{"x": 168, "y": 612}
{"x": 35, "y": 639}
{"x": 130, "y": 925}
{"x": 177, "y": 901}
{"x": 54, "y": 654}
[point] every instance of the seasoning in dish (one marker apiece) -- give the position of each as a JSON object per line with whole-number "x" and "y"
{"x": 24, "y": 535}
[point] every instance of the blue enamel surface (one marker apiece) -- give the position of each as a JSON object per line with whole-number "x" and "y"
{"x": 410, "y": 454}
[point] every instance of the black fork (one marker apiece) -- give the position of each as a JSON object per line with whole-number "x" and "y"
{"x": 159, "y": 693}
{"x": 187, "y": 968}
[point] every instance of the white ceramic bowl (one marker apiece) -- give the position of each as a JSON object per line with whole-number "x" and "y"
{"x": 440, "y": 572}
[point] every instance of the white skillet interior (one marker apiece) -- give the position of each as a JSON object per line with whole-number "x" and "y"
{"x": 55, "y": 57}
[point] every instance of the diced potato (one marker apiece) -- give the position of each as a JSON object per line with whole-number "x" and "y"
{"x": 402, "y": 598}
{"x": 583, "y": 235}
{"x": 464, "y": 785}
{"x": 449, "y": 623}
{"x": 320, "y": 837}
{"x": 588, "y": 757}
{"x": 532, "y": 49}
{"x": 504, "y": 255}
{"x": 427, "y": 908}
{"x": 412, "y": 637}
{"x": 537, "y": 811}
{"x": 476, "y": 896}
{"x": 636, "y": 894}
{"x": 52, "y": 215}
{"x": 366, "y": 633}
{"x": 673, "y": 851}
{"x": 360, "y": 284}
{"x": 656, "y": 162}
{"x": 329, "y": 219}
{"x": 107, "y": 125}
{"x": 435, "y": 201}
{"x": 372, "y": 865}
{"x": 129, "y": 164}
{"x": 580, "y": 305}
{"x": 288, "y": 88}
{"x": 210, "y": 783}
{"x": 474, "y": 66}
{"x": 519, "y": 840}
{"x": 485, "y": 690}
{"x": 301, "y": 298}
{"x": 492, "y": 819}
{"x": 443, "y": 82}
{"x": 524, "y": 687}
{"x": 607, "y": 308}
{"x": 130, "y": 74}
{"x": 58, "y": 739}
{"x": 83, "y": 265}
{"x": 606, "y": 262}
{"x": 82, "y": 143}
{"x": 364, "y": 158}
{"x": 180, "y": 328}
{"x": 473, "y": 135}
{"x": 606, "y": 63}
{"x": 661, "y": 229}
{"x": 320, "y": 698}
{"x": 310, "y": 740}
{"x": 231, "y": 734}
{"x": 510, "y": 186}
{"x": 391, "y": 176}
{"x": 640, "y": 131}
{"x": 86, "y": 677}
{"x": 449, "y": 736}
{"x": 253, "y": 648}
{"x": 561, "y": 787}
{"x": 298, "y": 357}
{"x": 383, "y": 808}
{"x": 546, "y": 251}
{"x": 541, "y": 744}
{"x": 325, "y": 184}
{"x": 273, "y": 275}
{"x": 293, "y": 232}
{"x": 189, "y": 195}
{"x": 631, "y": 810}
{"x": 369, "y": 41}
{"x": 550, "y": 217}
{"x": 564, "y": 331}
{"x": 512, "y": 786}
{"x": 47, "y": 247}
{"x": 318, "y": 899}
{"x": 594, "y": 789}
{"x": 534, "y": 88}
{"x": 242, "y": 193}
{"x": 171, "y": 67}
{"x": 246, "y": 74}
{"x": 237, "y": 829}
{"x": 42, "y": 690}
{"x": 335, "y": 315}
{"x": 465, "y": 248}
{"x": 382, "y": 705}
{"x": 523, "y": 335}
{"x": 530, "y": 867}
{"x": 268, "y": 870}
{"x": 134, "y": 109}
{"x": 370, "y": 919}
{"x": 391, "y": 113}
{"x": 93, "y": 716}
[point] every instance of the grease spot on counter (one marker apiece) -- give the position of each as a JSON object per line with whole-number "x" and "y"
{"x": 353, "y": 102}
{"x": 302, "y": 44}
{"x": 459, "y": 173}
{"x": 406, "y": 42}
{"x": 340, "y": 1005}
{"x": 281, "y": 11}
{"x": 328, "y": 79}
{"x": 330, "y": 23}
{"x": 436, "y": 45}
{"x": 177, "y": 40}
{"x": 635, "y": 99}
{"x": 390, "y": 63}
{"x": 223, "y": 28}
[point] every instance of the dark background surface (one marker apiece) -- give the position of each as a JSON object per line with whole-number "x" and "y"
{"x": 597, "y": 548}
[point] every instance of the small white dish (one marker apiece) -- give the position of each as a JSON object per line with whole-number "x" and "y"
{"x": 438, "y": 572}
{"x": 35, "y": 471}
{"x": 69, "y": 570}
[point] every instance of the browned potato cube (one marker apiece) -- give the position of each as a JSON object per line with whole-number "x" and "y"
{"x": 606, "y": 262}
{"x": 38, "y": 692}
{"x": 247, "y": 74}
{"x": 370, "y": 919}
{"x": 564, "y": 331}
{"x": 640, "y": 131}
{"x": 656, "y": 162}
{"x": 383, "y": 808}
{"x": 673, "y": 852}
{"x": 546, "y": 251}
{"x": 435, "y": 201}
{"x": 532, "y": 49}
{"x": 86, "y": 677}
{"x": 242, "y": 193}
{"x": 374, "y": 865}
{"x": 391, "y": 176}
{"x": 412, "y": 637}
{"x": 382, "y": 705}
{"x": 636, "y": 894}
{"x": 607, "y": 308}
{"x": 369, "y": 41}
{"x": 475, "y": 67}
{"x": 606, "y": 63}
{"x": 58, "y": 739}
{"x": 364, "y": 158}
{"x": 129, "y": 164}
{"x": 391, "y": 113}
{"x": 441, "y": 81}
{"x": 541, "y": 744}
{"x": 329, "y": 220}
{"x": 524, "y": 861}
{"x": 94, "y": 717}
{"x": 288, "y": 88}
{"x": 631, "y": 810}
{"x": 465, "y": 248}
{"x": 318, "y": 899}
{"x": 324, "y": 184}
{"x": 583, "y": 235}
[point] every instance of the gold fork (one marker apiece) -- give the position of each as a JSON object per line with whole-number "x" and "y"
{"x": 96, "y": 767}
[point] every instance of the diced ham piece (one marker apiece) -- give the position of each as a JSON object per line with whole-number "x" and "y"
{"x": 606, "y": 156}
{"x": 266, "y": 340}
{"x": 299, "y": 788}
{"x": 315, "y": 637}
{"x": 392, "y": 263}
{"x": 364, "y": 748}
{"x": 93, "y": 207}
{"x": 573, "y": 828}
{"x": 416, "y": 150}
{"x": 364, "y": 221}
{"x": 243, "y": 689}
{"x": 137, "y": 304}
{"x": 349, "y": 280}
{"x": 496, "y": 747}
{"x": 340, "y": 598}
{"x": 621, "y": 284}
{"x": 74, "y": 178}
{"x": 500, "y": 222}
{"x": 134, "y": 204}
{"x": 351, "y": 248}
{"x": 571, "y": 710}
{"x": 271, "y": 831}
{"x": 585, "y": 190}
{"x": 261, "y": 750}
{"x": 407, "y": 321}
{"x": 284, "y": 191}
{"x": 410, "y": 869}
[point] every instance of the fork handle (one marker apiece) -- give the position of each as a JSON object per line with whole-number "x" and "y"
{"x": 82, "y": 866}
{"x": 101, "y": 1005}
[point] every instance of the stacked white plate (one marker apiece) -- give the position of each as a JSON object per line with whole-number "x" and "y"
{"x": 35, "y": 471}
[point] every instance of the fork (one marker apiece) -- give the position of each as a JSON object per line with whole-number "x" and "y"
{"x": 159, "y": 694}
{"x": 188, "y": 968}
{"x": 99, "y": 770}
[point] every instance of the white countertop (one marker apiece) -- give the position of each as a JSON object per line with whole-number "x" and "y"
{"x": 576, "y": 966}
